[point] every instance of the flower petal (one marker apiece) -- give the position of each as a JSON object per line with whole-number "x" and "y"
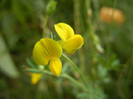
{"x": 64, "y": 31}
{"x": 40, "y": 54}
{"x": 55, "y": 66}
{"x": 45, "y": 49}
{"x": 72, "y": 44}
{"x": 35, "y": 77}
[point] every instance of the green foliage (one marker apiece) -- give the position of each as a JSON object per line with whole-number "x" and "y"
{"x": 7, "y": 65}
{"x": 105, "y": 59}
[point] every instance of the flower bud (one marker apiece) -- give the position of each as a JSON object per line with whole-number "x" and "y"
{"x": 51, "y": 7}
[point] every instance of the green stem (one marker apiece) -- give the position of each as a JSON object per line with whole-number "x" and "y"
{"x": 64, "y": 75}
{"x": 44, "y": 25}
{"x": 76, "y": 68}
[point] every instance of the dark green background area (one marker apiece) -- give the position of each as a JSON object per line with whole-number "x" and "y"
{"x": 21, "y": 27}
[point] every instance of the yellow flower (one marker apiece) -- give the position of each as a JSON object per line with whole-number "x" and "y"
{"x": 35, "y": 77}
{"x": 69, "y": 42}
{"x": 48, "y": 50}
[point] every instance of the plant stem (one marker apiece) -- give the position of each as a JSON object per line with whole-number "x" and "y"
{"x": 64, "y": 75}
{"x": 44, "y": 25}
{"x": 76, "y": 68}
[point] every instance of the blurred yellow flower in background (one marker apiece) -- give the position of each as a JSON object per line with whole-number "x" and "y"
{"x": 69, "y": 42}
{"x": 35, "y": 77}
{"x": 109, "y": 14}
{"x": 48, "y": 50}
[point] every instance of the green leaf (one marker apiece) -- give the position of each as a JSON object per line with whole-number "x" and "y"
{"x": 7, "y": 65}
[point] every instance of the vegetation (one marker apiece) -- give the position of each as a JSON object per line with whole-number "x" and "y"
{"x": 101, "y": 69}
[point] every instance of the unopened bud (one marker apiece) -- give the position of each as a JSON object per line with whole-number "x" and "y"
{"x": 51, "y": 7}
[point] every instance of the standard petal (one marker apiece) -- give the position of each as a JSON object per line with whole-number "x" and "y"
{"x": 72, "y": 44}
{"x": 40, "y": 54}
{"x": 64, "y": 31}
{"x": 35, "y": 77}
{"x": 53, "y": 48}
{"x": 55, "y": 66}
{"x": 45, "y": 49}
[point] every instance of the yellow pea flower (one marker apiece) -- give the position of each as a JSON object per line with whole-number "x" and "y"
{"x": 69, "y": 42}
{"x": 48, "y": 50}
{"x": 35, "y": 77}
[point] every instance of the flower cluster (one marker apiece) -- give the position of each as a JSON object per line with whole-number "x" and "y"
{"x": 70, "y": 42}
{"x": 49, "y": 51}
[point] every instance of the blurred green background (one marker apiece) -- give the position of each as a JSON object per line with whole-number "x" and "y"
{"x": 109, "y": 73}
